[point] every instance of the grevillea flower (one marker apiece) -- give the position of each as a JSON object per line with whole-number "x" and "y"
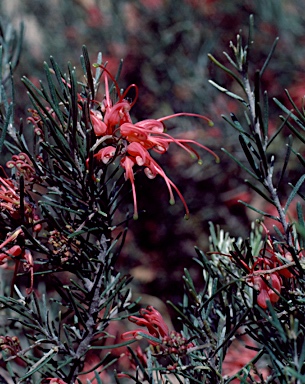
{"x": 267, "y": 270}
{"x": 10, "y": 345}
{"x": 105, "y": 154}
{"x": 117, "y": 113}
{"x": 265, "y": 290}
{"x": 23, "y": 165}
{"x": 132, "y": 142}
{"x": 18, "y": 253}
{"x": 267, "y": 279}
{"x": 168, "y": 341}
{"x": 14, "y": 251}
{"x": 99, "y": 127}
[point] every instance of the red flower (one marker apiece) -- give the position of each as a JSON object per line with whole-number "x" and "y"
{"x": 99, "y": 127}
{"x": 105, "y": 154}
{"x": 265, "y": 291}
{"x": 132, "y": 142}
{"x": 10, "y": 202}
{"x": 169, "y": 341}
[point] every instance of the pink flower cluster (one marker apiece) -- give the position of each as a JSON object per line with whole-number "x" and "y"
{"x": 10, "y": 206}
{"x": 169, "y": 342}
{"x": 133, "y": 142}
{"x": 267, "y": 279}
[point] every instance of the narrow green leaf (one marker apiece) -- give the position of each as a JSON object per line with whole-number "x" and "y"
{"x": 227, "y": 70}
{"x": 39, "y": 364}
{"x": 269, "y": 56}
{"x": 53, "y": 101}
{"x": 17, "y": 53}
{"x": 274, "y": 321}
{"x": 250, "y": 43}
{"x": 249, "y": 157}
{"x": 265, "y": 114}
{"x": 277, "y": 131}
{"x": 230, "y": 60}
{"x": 185, "y": 319}
{"x": 295, "y": 106}
{"x": 261, "y": 155}
{"x": 31, "y": 88}
{"x": 302, "y": 355}
{"x": 295, "y": 131}
{"x": 98, "y": 378}
{"x": 289, "y": 112}
{"x": 60, "y": 140}
{"x": 59, "y": 76}
{"x": 257, "y": 190}
{"x": 65, "y": 363}
{"x": 28, "y": 324}
{"x": 300, "y": 225}
{"x": 113, "y": 346}
{"x": 295, "y": 375}
{"x": 232, "y": 331}
{"x": 294, "y": 192}
{"x": 204, "y": 262}
{"x": 60, "y": 207}
{"x": 88, "y": 70}
{"x": 236, "y": 125}
{"x": 300, "y": 157}
{"x": 78, "y": 309}
{"x": 98, "y": 71}
{"x": 229, "y": 93}
{"x": 8, "y": 121}
{"x": 240, "y": 164}
{"x": 34, "y": 241}
{"x": 259, "y": 211}
{"x": 287, "y": 157}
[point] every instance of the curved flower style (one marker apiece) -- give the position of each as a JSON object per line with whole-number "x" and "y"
{"x": 23, "y": 165}
{"x": 169, "y": 341}
{"x": 131, "y": 142}
{"x": 10, "y": 202}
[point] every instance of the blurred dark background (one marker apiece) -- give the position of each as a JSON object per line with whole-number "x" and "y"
{"x": 164, "y": 44}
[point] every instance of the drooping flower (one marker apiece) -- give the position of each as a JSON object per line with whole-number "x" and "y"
{"x": 105, "y": 154}
{"x": 269, "y": 292}
{"x": 165, "y": 341}
{"x": 267, "y": 271}
{"x": 99, "y": 126}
